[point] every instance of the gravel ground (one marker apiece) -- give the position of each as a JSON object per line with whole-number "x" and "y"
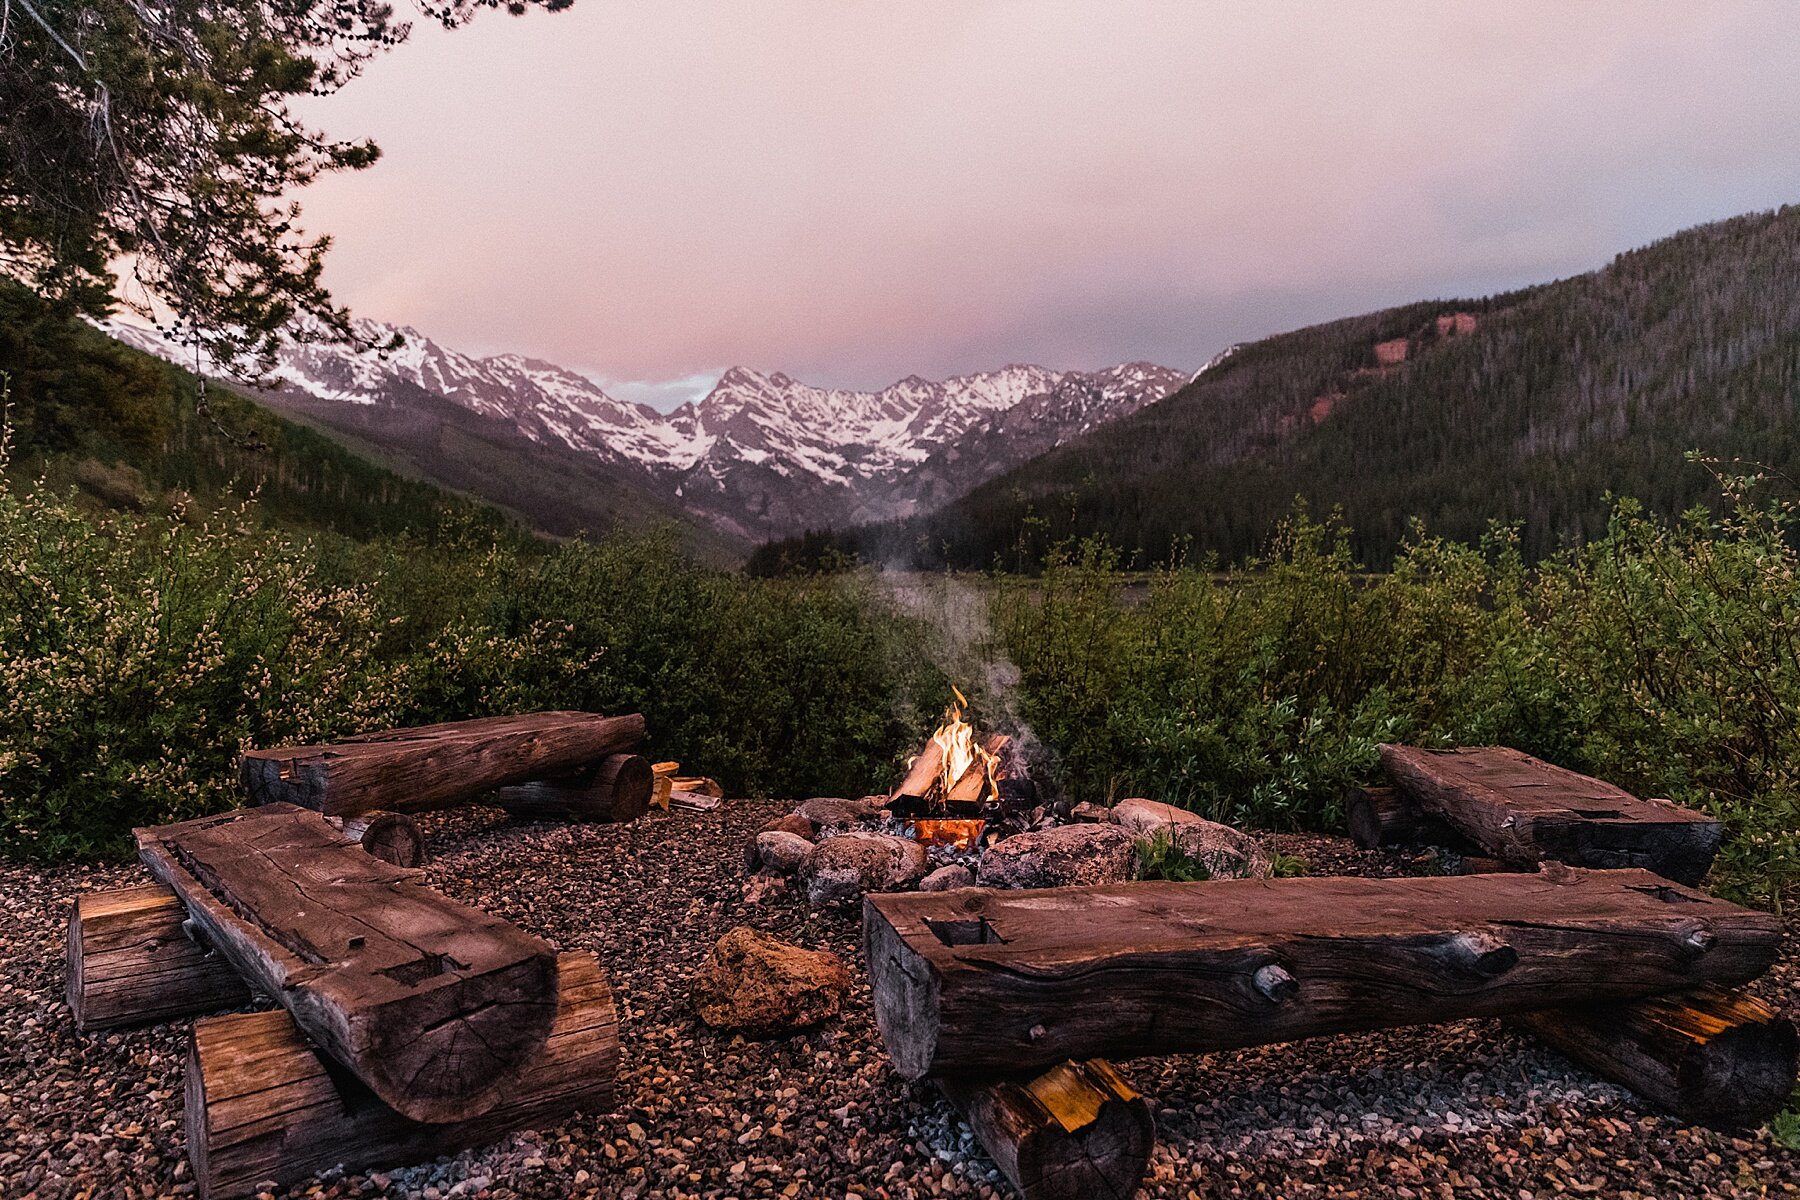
{"x": 1465, "y": 1110}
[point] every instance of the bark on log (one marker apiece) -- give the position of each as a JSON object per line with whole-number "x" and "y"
{"x": 434, "y": 1005}
{"x": 263, "y": 1105}
{"x": 390, "y": 836}
{"x": 1384, "y": 816}
{"x": 130, "y": 962}
{"x": 1522, "y": 808}
{"x": 1076, "y": 1132}
{"x": 1710, "y": 1056}
{"x": 618, "y": 789}
{"x": 986, "y": 982}
{"x": 434, "y": 766}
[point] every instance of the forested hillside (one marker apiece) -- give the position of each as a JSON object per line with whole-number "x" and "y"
{"x": 128, "y": 429}
{"x": 1530, "y": 407}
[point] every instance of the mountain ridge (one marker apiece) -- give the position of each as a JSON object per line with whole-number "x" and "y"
{"x": 762, "y": 454}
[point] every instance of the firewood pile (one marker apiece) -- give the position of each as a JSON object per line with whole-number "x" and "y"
{"x": 409, "y": 1025}
{"x": 1616, "y": 962}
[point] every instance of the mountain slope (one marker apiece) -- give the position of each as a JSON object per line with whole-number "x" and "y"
{"x": 1529, "y": 407}
{"x": 761, "y": 454}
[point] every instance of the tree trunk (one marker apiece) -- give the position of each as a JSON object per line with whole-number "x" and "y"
{"x": 263, "y": 1105}
{"x": 435, "y": 766}
{"x": 1710, "y": 1056}
{"x": 390, "y": 836}
{"x": 983, "y": 982}
{"x": 130, "y": 962}
{"x": 434, "y": 1005}
{"x": 1522, "y": 808}
{"x": 1076, "y": 1132}
{"x": 618, "y": 789}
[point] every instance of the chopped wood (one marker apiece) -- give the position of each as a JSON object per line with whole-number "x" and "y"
{"x": 130, "y": 962}
{"x": 1711, "y": 1056}
{"x": 698, "y": 785}
{"x": 434, "y": 1005}
{"x": 435, "y": 766}
{"x": 694, "y": 801}
{"x": 390, "y": 836}
{"x": 922, "y": 775}
{"x": 1519, "y": 807}
{"x": 665, "y": 783}
{"x": 988, "y": 982}
{"x": 263, "y": 1105}
{"x": 1076, "y": 1132}
{"x": 618, "y": 789}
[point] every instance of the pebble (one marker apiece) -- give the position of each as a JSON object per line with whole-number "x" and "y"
{"x": 1463, "y": 1110}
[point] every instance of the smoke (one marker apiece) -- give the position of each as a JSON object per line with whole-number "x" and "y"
{"x": 963, "y": 644}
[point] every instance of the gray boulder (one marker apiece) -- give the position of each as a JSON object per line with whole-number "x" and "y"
{"x": 948, "y": 879}
{"x": 1225, "y": 852}
{"x": 777, "y": 850}
{"x": 1067, "y": 856}
{"x": 840, "y": 869}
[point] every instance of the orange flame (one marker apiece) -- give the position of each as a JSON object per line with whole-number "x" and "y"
{"x": 956, "y": 739}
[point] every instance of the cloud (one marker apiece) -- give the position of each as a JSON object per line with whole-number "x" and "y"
{"x": 854, "y": 192}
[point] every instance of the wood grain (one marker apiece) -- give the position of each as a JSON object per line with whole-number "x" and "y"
{"x": 130, "y": 962}
{"x": 263, "y": 1105}
{"x": 1522, "y": 808}
{"x": 434, "y": 766}
{"x": 1712, "y": 1056}
{"x": 618, "y": 789}
{"x": 434, "y": 1005}
{"x": 985, "y": 982}
{"x": 1076, "y": 1132}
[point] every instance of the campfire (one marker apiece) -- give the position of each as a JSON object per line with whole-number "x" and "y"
{"x": 964, "y": 789}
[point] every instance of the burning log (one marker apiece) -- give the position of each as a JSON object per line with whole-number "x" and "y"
{"x": 1522, "y": 808}
{"x": 618, "y": 789}
{"x": 1710, "y": 1056}
{"x": 983, "y": 982}
{"x": 435, "y": 766}
{"x": 1076, "y": 1132}
{"x": 435, "y": 1006}
{"x": 263, "y": 1105}
{"x": 130, "y": 962}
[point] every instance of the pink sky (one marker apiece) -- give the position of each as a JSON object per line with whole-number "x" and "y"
{"x": 854, "y": 192}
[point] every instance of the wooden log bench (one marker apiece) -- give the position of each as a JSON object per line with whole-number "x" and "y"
{"x": 981, "y": 982}
{"x": 1713, "y": 1056}
{"x": 1076, "y": 1132}
{"x": 1524, "y": 809}
{"x": 262, "y": 1104}
{"x": 618, "y": 789}
{"x": 435, "y": 1006}
{"x": 435, "y": 766}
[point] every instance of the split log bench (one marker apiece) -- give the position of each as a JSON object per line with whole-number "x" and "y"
{"x": 436, "y": 1007}
{"x": 574, "y": 755}
{"x": 262, "y": 1104}
{"x": 1523, "y": 809}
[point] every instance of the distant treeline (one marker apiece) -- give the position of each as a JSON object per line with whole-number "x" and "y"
{"x": 1560, "y": 397}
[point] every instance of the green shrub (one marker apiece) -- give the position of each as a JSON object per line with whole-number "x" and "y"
{"x": 1160, "y": 856}
{"x": 1664, "y": 657}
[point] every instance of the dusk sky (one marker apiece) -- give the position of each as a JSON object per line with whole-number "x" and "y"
{"x": 855, "y": 192}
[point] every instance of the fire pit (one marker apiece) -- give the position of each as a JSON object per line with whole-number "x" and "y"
{"x": 959, "y": 833}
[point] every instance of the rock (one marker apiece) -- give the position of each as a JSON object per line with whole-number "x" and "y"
{"x": 792, "y": 823}
{"x": 1226, "y": 853}
{"x": 756, "y": 984}
{"x": 948, "y": 879}
{"x": 778, "y": 850}
{"x": 831, "y": 813}
{"x": 1065, "y": 856}
{"x": 1090, "y": 813}
{"x": 764, "y": 885}
{"x": 839, "y": 870}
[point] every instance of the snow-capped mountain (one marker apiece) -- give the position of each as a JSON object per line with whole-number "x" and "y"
{"x": 762, "y": 454}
